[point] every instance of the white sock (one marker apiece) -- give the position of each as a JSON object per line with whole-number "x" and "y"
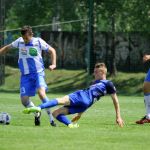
{"x": 30, "y": 104}
{"x": 50, "y": 115}
{"x": 147, "y": 104}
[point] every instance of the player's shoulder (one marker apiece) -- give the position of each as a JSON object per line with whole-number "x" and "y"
{"x": 19, "y": 39}
{"x": 109, "y": 82}
{"x": 106, "y": 81}
{"x": 35, "y": 39}
{"x": 39, "y": 39}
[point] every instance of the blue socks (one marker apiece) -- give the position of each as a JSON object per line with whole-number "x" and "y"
{"x": 44, "y": 100}
{"x": 62, "y": 118}
{"x": 48, "y": 104}
{"x": 51, "y": 103}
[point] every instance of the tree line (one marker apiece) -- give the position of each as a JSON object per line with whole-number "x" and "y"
{"x": 109, "y": 15}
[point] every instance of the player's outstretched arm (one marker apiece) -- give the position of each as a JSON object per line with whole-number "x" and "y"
{"x": 4, "y": 49}
{"x": 77, "y": 117}
{"x": 119, "y": 120}
{"x": 53, "y": 58}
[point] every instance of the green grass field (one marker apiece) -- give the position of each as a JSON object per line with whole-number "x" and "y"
{"x": 97, "y": 131}
{"x": 97, "y": 128}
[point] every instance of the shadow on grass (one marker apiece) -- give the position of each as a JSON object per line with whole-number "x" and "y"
{"x": 67, "y": 79}
{"x": 9, "y": 91}
{"x": 67, "y": 85}
{"x": 129, "y": 86}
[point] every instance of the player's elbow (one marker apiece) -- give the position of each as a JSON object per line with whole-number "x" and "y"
{"x": 5, "y": 49}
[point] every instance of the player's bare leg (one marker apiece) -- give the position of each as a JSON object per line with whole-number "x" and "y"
{"x": 44, "y": 99}
{"x": 64, "y": 100}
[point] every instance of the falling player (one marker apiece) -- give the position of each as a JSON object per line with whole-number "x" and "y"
{"x": 32, "y": 68}
{"x": 79, "y": 101}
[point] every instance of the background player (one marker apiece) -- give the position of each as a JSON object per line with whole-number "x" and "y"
{"x": 146, "y": 90}
{"x": 79, "y": 101}
{"x": 32, "y": 68}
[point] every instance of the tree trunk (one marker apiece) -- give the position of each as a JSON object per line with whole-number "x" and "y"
{"x": 113, "y": 68}
{"x": 91, "y": 40}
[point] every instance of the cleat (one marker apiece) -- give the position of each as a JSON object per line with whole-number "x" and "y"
{"x": 31, "y": 110}
{"x": 37, "y": 121}
{"x": 53, "y": 123}
{"x": 72, "y": 125}
{"x": 143, "y": 120}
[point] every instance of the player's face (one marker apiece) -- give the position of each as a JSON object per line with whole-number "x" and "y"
{"x": 98, "y": 73}
{"x": 27, "y": 37}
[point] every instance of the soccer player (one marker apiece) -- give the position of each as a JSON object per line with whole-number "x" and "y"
{"x": 32, "y": 68}
{"x": 79, "y": 101}
{"x": 146, "y": 90}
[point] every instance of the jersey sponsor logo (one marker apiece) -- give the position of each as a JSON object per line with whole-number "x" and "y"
{"x": 33, "y": 51}
{"x": 23, "y": 51}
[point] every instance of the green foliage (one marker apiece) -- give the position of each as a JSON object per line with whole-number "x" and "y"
{"x": 42, "y": 12}
{"x": 130, "y": 15}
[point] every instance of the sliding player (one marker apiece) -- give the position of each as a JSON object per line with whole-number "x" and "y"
{"x": 146, "y": 90}
{"x": 32, "y": 68}
{"x": 79, "y": 101}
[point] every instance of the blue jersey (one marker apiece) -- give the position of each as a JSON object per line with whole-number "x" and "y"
{"x": 83, "y": 99}
{"x": 100, "y": 88}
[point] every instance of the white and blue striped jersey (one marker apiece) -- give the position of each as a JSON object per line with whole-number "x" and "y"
{"x": 30, "y": 55}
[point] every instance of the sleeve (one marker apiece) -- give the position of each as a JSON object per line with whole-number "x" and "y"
{"x": 15, "y": 44}
{"x": 44, "y": 46}
{"x": 111, "y": 88}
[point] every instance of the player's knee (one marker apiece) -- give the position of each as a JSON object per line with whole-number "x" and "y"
{"x": 41, "y": 94}
{"x": 64, "y": 100}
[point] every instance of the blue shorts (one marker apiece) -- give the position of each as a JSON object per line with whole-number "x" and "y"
{"x": 147, "y": 78}
{"x": 31, "y": 82}
{"x": 80, "y": 101}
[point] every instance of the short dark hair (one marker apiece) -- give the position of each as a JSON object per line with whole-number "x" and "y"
{"x": 26, "y": 29}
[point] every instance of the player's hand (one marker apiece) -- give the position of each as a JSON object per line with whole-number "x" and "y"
{"x": 52, "y": 67}
{"x": 120, "y": 122}
{"x": 146, "y": 58}
{"x": 76, "y": 118}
